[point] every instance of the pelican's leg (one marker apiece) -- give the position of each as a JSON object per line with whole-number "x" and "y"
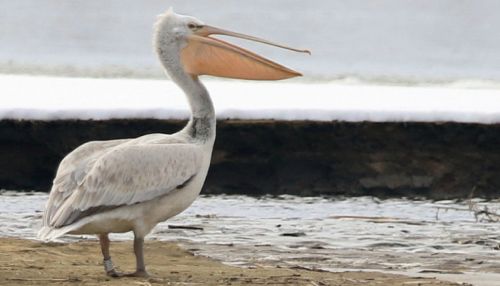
{"x": 108, "y": 264}
{"x": 139, "y": 256}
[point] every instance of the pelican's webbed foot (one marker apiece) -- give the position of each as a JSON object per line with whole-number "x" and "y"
{"x": 138, "y": 273}
{"x": 110, "y": 270}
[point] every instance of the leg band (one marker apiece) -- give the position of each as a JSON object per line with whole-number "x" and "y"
{"x": 108, "y": 265}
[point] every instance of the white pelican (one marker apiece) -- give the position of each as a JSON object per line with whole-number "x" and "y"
{"x": 126, "y": 185}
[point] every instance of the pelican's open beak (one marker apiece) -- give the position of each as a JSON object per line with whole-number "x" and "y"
{"x": 204, "y": 55}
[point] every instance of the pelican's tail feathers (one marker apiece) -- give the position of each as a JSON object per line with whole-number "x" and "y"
{"x": 48, "y": 233}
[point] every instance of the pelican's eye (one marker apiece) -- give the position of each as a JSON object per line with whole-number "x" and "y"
{"x": 194, "y": 26}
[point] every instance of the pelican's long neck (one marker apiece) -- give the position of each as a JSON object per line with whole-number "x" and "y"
{"x": 201, "y": 126}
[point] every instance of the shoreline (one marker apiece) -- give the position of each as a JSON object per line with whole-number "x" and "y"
{"x": 28, "y": 262}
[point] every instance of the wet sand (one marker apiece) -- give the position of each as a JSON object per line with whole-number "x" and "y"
{"x": 27, "y": 262}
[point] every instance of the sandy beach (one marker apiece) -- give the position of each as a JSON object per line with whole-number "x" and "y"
{"x": 27, "y": 262}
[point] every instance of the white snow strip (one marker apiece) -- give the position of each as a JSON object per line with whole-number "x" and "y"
{"x": 49, "y": 98}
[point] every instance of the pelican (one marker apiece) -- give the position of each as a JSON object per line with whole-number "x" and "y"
{"x": 125, "y": 185}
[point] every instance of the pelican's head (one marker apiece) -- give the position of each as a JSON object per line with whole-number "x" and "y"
{"x": 188, "y": 40}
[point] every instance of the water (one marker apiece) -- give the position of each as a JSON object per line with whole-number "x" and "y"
{"x": 349, "y": 233}
{"x": 385, "y": 40}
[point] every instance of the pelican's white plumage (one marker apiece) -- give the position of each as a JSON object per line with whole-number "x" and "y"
{"x": 102, "y": 179}
{"x": 132, "y": 184}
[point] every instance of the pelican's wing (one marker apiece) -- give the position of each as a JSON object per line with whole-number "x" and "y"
{"x": 72, "y": 170}
{"x": 128, "y": 175}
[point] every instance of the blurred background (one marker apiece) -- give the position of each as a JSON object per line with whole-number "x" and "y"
{"x": 400, "y": 41}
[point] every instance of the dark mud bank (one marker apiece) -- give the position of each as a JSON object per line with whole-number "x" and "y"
{"x": 433, "y": 160}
